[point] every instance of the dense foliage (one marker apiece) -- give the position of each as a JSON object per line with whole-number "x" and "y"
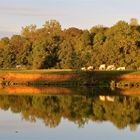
{"x": 52, "y": 47}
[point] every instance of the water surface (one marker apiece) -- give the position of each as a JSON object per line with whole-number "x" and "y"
{"x": 76, "y": 114}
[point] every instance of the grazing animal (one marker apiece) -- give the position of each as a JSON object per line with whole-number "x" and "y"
{"x": 102, "y": 67}
{"x": 90, "y": 68}
{"x": 111, "y": 67}
{"x": 121, "y": 68}
{"x": 18, "y": 66}
{"x": 83, "y": 69}
{"x": 102, "y": 98}
{"x": 109, "y": 98}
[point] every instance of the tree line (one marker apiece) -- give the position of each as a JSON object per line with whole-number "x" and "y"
{"x": 53, "y": 47}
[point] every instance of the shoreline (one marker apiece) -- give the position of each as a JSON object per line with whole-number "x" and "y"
{"x": 67, "y": 77}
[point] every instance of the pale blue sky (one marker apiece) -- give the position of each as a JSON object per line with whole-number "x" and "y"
{"x": 78, "y": 13}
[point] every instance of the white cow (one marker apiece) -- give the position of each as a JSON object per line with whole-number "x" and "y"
{"x": 111, "y": 67}
{"x": 121, "y": 68}
{"x": 90, "y": 68}
{"x": 102, "y": 67}
{"x": 83, "y": 69}
{"x": 18, "y": 66}
{"x": 102, "y": 98}
{"x": 109, "y": 98}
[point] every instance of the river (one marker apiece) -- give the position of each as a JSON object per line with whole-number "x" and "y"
{"x": 68, "y": 114}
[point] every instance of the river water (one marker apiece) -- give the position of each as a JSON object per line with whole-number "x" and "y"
{"x": 39, "y": 113}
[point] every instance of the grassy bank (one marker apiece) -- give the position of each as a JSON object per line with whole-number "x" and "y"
{"x": 38, "y": 77}
{"x": 43, "y": 71}
{"x": 65, "y": 77}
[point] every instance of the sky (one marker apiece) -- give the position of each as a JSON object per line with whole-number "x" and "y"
{"x": 15, "y": 14}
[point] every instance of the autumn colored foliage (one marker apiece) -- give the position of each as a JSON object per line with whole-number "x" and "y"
{"x": 53, "y": 47}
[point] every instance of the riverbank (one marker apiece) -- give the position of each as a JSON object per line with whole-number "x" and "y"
{"x": 67, "y": 77}
{"x": 56, "y": 90}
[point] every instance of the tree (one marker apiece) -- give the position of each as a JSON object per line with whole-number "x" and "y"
{"x": 23, "y": 58}
{"x": 4, "y": 42}
{"x": 53, "y": 27}
{"x": 9, "y": 57}
{"x": 44, "y": 54}
{"x": 29, "y": 32}
{"x": 134, "y": 22}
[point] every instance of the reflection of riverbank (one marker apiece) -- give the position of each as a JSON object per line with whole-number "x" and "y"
{"x": 16, "y": 90}
{"x": 128, "y": 91}
{"x": 77, "y": 90}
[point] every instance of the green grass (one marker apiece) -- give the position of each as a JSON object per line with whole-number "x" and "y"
{"x": 67, "y": 71}
{"x": 42, "y": 71}
{"x": 114, "y": 72}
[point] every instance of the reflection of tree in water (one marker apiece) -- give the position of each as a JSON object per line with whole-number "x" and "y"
{"x": 123, "y": 111}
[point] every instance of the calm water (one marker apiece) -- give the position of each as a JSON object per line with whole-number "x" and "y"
{"x": 72, "y": 114}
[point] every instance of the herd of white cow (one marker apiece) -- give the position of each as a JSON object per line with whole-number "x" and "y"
{"x": 102, "y": 67}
